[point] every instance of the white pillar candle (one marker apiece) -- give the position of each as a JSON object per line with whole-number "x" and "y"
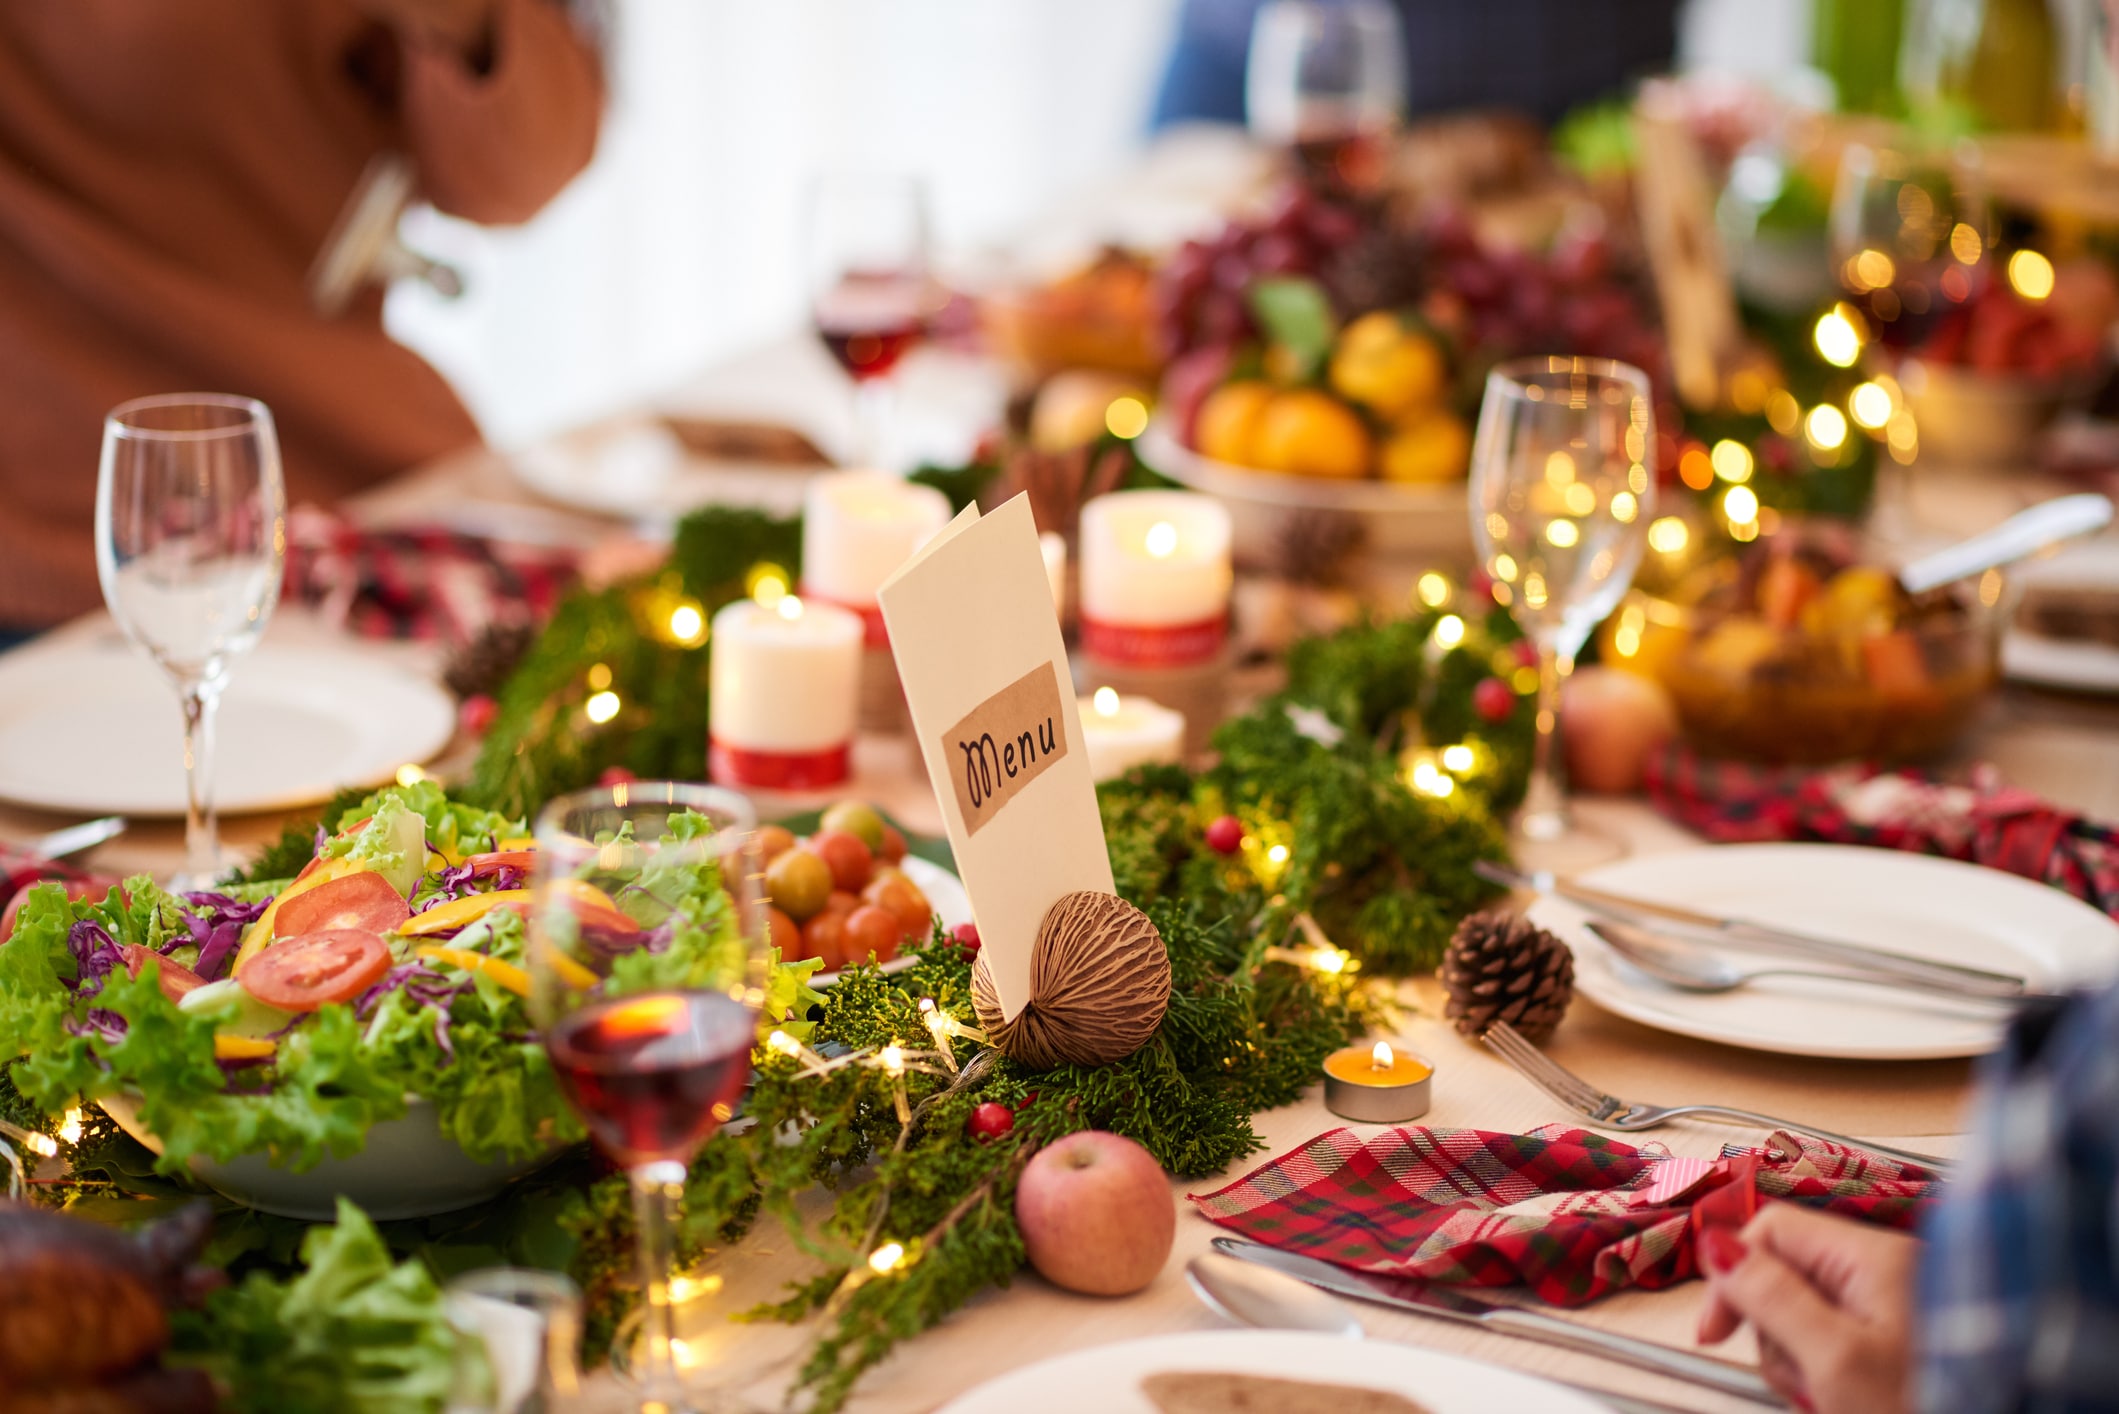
{"x": 1054, "y": 548}
{"x": 1123, "y": 732}
{"x": 858, "y": 527}
{"x": 1155, "y": 577}
{"x": 782, "y": 692}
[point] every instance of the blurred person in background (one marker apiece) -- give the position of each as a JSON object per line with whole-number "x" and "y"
{"x": 1540, "y": 57}
{"x": 168, "y": 174}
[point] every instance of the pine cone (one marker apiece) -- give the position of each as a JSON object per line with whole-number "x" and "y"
{"x": 489, "y": 660}
{"x": 1503, "y": 967}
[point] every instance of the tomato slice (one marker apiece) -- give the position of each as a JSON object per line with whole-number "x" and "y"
{"x": 177, "y": 979}
{"x": 365, "y": 902}
{"x": 484, "y": 866}
{"x": 302, "y": 974}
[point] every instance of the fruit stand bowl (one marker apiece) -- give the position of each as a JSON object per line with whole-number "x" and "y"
{"x": 1970, "y": 418}
{"x": 407, "y": 1169}
{"x": 1400, "y": 529}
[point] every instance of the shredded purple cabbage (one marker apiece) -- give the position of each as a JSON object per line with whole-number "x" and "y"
{"x": 95, "y": 956}
{"x": 215, "y": 923}
{"x": 441, "y": 1032}
{"x": 100, "y": 1023}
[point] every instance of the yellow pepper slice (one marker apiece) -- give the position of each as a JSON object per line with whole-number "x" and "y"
{"x": 515, "y": 844}
{"x": 574, "y": 974}
{"x": 458, "y": 912}
{"x": 505, "y": 974}
{"x": 259, "y": 933}
{"x": 229, "y": 1048}
{"x": 585, "y": 892}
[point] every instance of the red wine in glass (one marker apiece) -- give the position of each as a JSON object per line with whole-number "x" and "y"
{"x": 869, "y": 319}
{"x": 1343, "y": 161}
{"x": 656, "y": 1073}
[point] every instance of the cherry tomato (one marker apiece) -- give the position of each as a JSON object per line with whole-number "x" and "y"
{"x": 177, "y": 979}
{"x": 302, "y": 974}
{"x": 774, "y": 841}
{"x": 902, "y": 899}
{"x": 893, "y": 850}
{"x": 873, "y": 930}
{"x": 824, "y": 936}
{"x": 364, "y": 902}
{"x": 787, "y": 935}
{"x": 848, "y": 855}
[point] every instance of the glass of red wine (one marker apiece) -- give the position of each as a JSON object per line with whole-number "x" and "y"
{"x": 649, "y": 948}
{"x": 1327, "y": 82}
{"x": 871, "y": 292}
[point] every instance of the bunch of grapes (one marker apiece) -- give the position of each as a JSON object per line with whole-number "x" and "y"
{"x": 1200, "y": 294}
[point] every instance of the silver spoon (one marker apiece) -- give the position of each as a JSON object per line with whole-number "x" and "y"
{"x": 2024, "y": 533}
{"x": 1692, "y": 969}
{"x": 1268, "y": 1300}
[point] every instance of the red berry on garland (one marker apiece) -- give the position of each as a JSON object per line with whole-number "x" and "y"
{"x": 966, "y": 936}
{"x": 616, "y": 776}
{"x": 1494, "y": 700}
{"x": 1225, "y": 835}
{"x": 476, "y": 714}
{"x": 990, "y": 1121}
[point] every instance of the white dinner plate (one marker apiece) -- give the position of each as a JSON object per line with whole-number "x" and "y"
{"x": 1107, "y": 1378}
{"x": 635, "y": 468}
{"x": 92, "y": 726}
{"x": 1908, "y": 903}
{"x": 2071, "y": 664}
{"x": 945, "y": 894}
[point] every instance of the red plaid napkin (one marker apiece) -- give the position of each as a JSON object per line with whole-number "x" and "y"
{"x": 1981, "y": 821}
{"x": 21, "y": 869}
{"x": 421, "y": 582}
{"x": 1570, "y": 1214}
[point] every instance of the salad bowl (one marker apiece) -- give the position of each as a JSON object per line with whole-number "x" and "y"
{"x": 407, "y": 1169}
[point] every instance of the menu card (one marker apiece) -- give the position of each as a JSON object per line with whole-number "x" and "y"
{"x": 979, "y": 651}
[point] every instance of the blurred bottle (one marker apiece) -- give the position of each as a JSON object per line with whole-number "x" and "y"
{"x": 1855, "y": 43}
{"x": 1992, "y": 61}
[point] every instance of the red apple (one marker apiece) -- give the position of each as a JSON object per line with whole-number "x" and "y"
{"x": 1611, "y": 722}
{"x": 1096, "y": 1214}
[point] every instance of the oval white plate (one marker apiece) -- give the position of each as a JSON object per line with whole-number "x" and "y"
{"x": 945, "y": 894}
{"x": 1107, "y": 1378}
{"x": 92, "y": 726}
{"x": 1910, "y": 903}
{"x": 407, "y": 1168}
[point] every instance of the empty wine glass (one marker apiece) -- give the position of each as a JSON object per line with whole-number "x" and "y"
{"x": 1327, "y": 81}
{"x": 649, "y": 947}
{"x": 191, "y": 539}
{"x": 1562, "y": 490}
{"x": 871, "y": 292}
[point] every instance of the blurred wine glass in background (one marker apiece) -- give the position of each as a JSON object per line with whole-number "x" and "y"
{"x": 871, "y": 290}
{"x": 1327, "y": 81}
{"x": 1562, "y": 491}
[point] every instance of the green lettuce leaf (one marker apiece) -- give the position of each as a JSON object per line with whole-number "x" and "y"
{"x": 354, "y": 1333}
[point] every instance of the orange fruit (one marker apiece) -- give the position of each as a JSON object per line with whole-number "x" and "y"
{"x": 1384, "y": 366}
{"x": 1428, "y": 450}
{"x": 1312, "y": 433}
{"x": 1227, "y": 426}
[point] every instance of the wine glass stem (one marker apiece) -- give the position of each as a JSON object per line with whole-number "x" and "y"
{"x": 1544, "y": 815}
{"x": 201, "y": 700}
{"x": 874, "y": 403}
{"x": 658, "y": 1190}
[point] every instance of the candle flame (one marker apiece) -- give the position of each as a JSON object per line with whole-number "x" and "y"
{"x": 1162, "y": 539}
{"x": 790, "y": 608}
{"x": 1106, "y": 702}
{"x": 1383, "y": 1058}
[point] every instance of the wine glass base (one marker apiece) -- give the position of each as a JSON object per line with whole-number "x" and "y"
{"x": 1565, "y": 851}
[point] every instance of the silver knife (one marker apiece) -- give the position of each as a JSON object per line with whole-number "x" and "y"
{"x": 78, "y": 839}
{"x": 1971, "y": 981}
{"x": 1457, "y": 1304}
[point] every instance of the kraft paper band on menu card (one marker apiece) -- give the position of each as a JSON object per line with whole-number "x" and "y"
{"x": 979, "y": 651}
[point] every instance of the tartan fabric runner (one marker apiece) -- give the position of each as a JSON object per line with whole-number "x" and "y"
{"x": 1980, "y": 822}
{"x": 1570, "y": 1214}
{"x": 421, "y": 582}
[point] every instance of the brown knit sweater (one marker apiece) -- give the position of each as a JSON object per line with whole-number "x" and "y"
{"x": 168, "y": 171}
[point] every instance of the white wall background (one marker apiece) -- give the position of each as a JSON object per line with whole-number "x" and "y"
{"x": 681, "y": 244}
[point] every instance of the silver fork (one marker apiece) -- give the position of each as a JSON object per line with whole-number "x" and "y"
{"x": 1610, "y": 1112}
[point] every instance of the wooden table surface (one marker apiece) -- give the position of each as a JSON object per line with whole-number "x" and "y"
{"x": 2064, "y": 748}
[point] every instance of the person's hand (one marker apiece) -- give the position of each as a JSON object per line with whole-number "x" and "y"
{"x": 463, "y": 25}
{"x": 1831, "y": 1301}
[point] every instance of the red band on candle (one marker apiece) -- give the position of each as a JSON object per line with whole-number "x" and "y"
{"x": 1154, "y": 645}
{"x": 871, "y": 616}
{"x": 778, "y": 770}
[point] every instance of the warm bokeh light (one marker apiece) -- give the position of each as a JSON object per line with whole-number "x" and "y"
{"x": 1966, "y": 244}
{"x": 601, "y": 708}
{"x": 887, "y": 1258}
{"x": 1278, "y": 854}
{"x": 2031, "y": 274}
{"x": 1563, "y": 534}
{"x": 1449, "y": 631}
{"x": 1162, "y": 540}
{"x": 1504, "y": 568}
{"x": 1826, "y": 427}
{"x": 1837, "y": 341}
{"x": 1433, "y": 590}
{"x": 1696, "y": 468}
{"x": 1624, "y": 507}
{"x": 1126, "y": 418}
{"x": 1740, "y": 504}
{"x": 789, "y": 608}
{"x": 766, "y": 583}
{"x": 1106, "y": 701}
{"x": 1732, "y": 460}
{"x": 1559, "y": 470}
{"x": 1580, "y": 499}
{"x": 1457, "y": 758}
{"x": 410, "y": 774}
{"x": 1668, "y": 535}
{"x": 1871, "y": 406}
{"x": 687, "y": 624}
{"x": 1873, "y": 270}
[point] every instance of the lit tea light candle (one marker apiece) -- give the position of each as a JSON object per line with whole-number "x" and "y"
{"x": 1124, "y": 732}
{"x": 858, "y": 527}
{"x": 1155, "y": 578}
{"x": 782, "y": 694}
{"x": 1376, "y": 1084}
